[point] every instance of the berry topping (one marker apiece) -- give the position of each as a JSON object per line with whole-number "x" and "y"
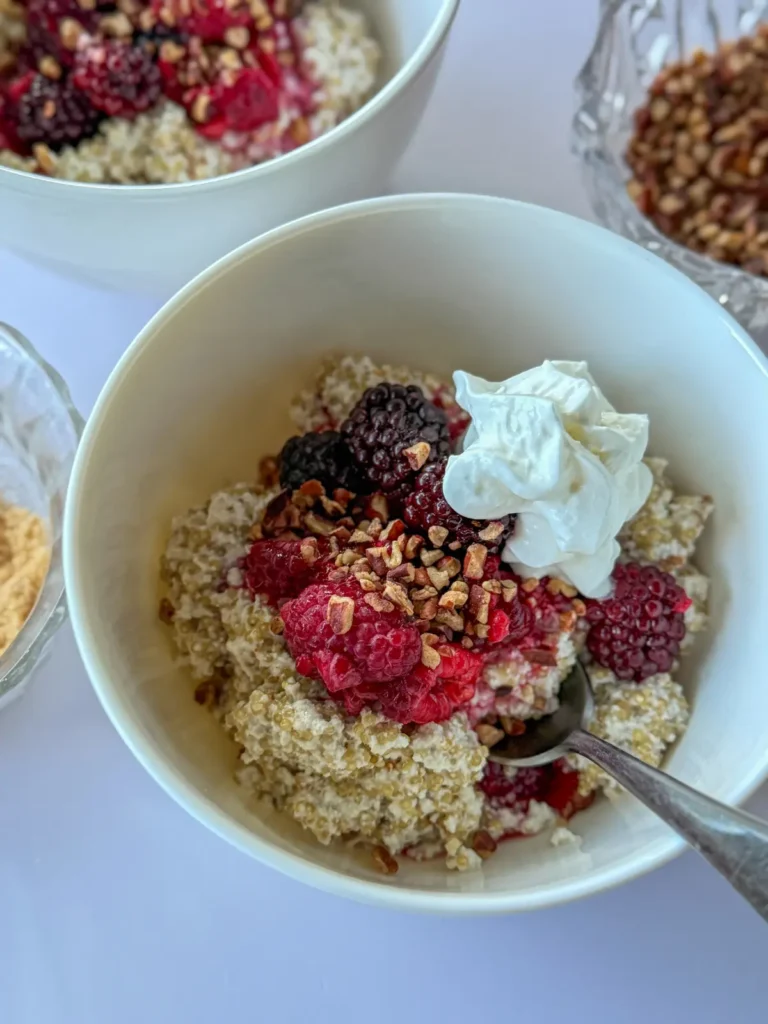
{"x": 637, "y": 631}
{"x": 322, "y": 457}
{"x": 432, "y": 695}
{"x": 335, "y": 634}
{"x": 53, "y": 27}
{"x": 240, "y": 102}
{"x": 55, "y": 113}
{"x": 282, "y": 568}
{"x": 514, "y": 788}
{"x": 209, "y": 19}
{"x": 392, "y": 432}
{"x": 426, "y": 507}
{"x": 120, "y": 79}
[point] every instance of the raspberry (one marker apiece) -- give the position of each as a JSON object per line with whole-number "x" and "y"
{"x": 515, "y": 787}
{"x": 637, "y": 631}
{"x": 388, "y": 419}
{"x": 248, "y": 102}
{"x": 553, "y": 784}
{"x": 118, "y": 78}
{"x": 55, "y": 113}
{"x": 432, "y": 695}
{"x": 208, "y": 19}
{"x": 282, "y": 568}
{"x": 426, "y": 506}
{"x": 378, "y": 646}
{"x": 320, "y": 457}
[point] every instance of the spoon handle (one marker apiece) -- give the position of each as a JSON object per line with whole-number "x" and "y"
{"x": 735, "y": 843}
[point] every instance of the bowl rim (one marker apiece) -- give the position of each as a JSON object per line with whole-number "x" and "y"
{"x": 382, "y": 98}
{"x": 17, "y": 661}
{"x": 172, "y": 781}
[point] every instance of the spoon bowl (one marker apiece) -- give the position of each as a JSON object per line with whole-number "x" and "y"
{"x": 546, "y": 740}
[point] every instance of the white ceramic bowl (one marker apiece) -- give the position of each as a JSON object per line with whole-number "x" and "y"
{"x": 438, "y": 281}
{"x": 155, "y": 238}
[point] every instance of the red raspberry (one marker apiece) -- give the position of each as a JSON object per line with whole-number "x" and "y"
{"x": 208, "y": 19}
{"x": 250, "y": 101}
{"x": 637, "y": 631}
{"x": 426, "y": 506}
{"x": 378, "y": 647}
{"x": 432, "y": 695}
{"x": 278, "y": 568}
{"x": 120, "y": 79}
{"x": 553, "y": 784}
{"x": 513, "y": 788}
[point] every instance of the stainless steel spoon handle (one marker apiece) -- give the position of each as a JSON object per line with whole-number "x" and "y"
{"x": 735, "y": 843}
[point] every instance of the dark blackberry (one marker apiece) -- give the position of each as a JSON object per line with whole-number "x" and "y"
{"x": 322, "y": 457}
{"x": 56, "y": 113}
{"x": 637, "y": 631}
{"x": 44, "y": 18}
{"x": 121, "y": 79}
{"x": 426, "y": 506}
{"x": 388, "y": 419}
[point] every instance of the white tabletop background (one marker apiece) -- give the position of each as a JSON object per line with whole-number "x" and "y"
{"x": 117, "y": 907}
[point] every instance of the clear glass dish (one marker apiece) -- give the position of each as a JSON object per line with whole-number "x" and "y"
{"x": 39, "y": 432}
{"x": 635, "y": 39}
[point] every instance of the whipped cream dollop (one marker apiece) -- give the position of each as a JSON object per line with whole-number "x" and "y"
{"x": 548, "y": 446}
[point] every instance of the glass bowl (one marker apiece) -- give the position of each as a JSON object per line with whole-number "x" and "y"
{"x": 635, "y": 39}
{"x": 39, "y": 432}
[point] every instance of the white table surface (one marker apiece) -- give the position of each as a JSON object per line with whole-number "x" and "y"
{"x": 117, "y": 907}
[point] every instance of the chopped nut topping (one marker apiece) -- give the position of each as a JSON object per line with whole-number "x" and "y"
{"x": 437, "y": 535}
{"x": 417, "y": 455}
{"x": 438, "y": 578}
{"x": 340, "y": 614}
{"x": 166, "y": 611}
{"x": 378, "y": 603}
{"x": 556, "y": 586}
{"x": 479, "y": 604}
{"x": 430, "y": 557}
{"x": 413, "y": 545}
{"x": 512, "y": 726}
{"x": 384, "y": 860}
{"x": 399, "y": 596}
{"x": 277, "y": 626}
{"x": 429, "y": 656}
{"x": 530, "y": 585}
{"x": 491, "y": 532}
{"x": 449, "y": 565}
{"x": 316, "y": 524}
{"x": 474, "y": 561}
{"x": 489, "y": 735}
{"x": 492, "y": 586}
{"x": 428, "y": 610}
{"x": 453, "y": 599}
{"x": 237, "y": 36}
{"x": 49, "y": 67}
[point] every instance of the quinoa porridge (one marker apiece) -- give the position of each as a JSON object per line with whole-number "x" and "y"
{"x": 406, "y": 583}
{"x": 163, "y": 91}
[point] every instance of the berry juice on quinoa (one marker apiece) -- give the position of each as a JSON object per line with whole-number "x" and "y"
{"x": 412, "y": 579}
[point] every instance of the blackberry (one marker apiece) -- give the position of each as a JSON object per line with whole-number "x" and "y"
{"x": 322, "y": 457}
{"x": 56, "y": 113}
{"x": 637, "y": 631}
{"x": 44, "y": 18}
{"x": 388, "y": 419}
{"x": 118, "y": 78}
{"x": 426, "y": 506}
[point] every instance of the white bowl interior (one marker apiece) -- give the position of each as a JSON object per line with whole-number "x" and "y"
{"x": 441, "y": 282}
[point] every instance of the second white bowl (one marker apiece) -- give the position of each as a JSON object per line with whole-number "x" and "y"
{"x": 438, "y": 282}
{"x": 155, "y": 238}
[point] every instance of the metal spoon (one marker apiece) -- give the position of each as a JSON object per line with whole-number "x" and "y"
{"x": 734, "y": 843}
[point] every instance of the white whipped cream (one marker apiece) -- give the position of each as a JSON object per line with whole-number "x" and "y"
{"x": 548, "y": 446}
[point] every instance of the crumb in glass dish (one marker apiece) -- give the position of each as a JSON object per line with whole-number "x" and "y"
{"x": 402, "y": 587}
{"x": 24, "y": 558}
{"x": 174, "y": 90}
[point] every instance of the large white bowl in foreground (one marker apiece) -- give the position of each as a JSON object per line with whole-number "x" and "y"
{"x": 155, "y": 238}
{"x": 438, "y": 281}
